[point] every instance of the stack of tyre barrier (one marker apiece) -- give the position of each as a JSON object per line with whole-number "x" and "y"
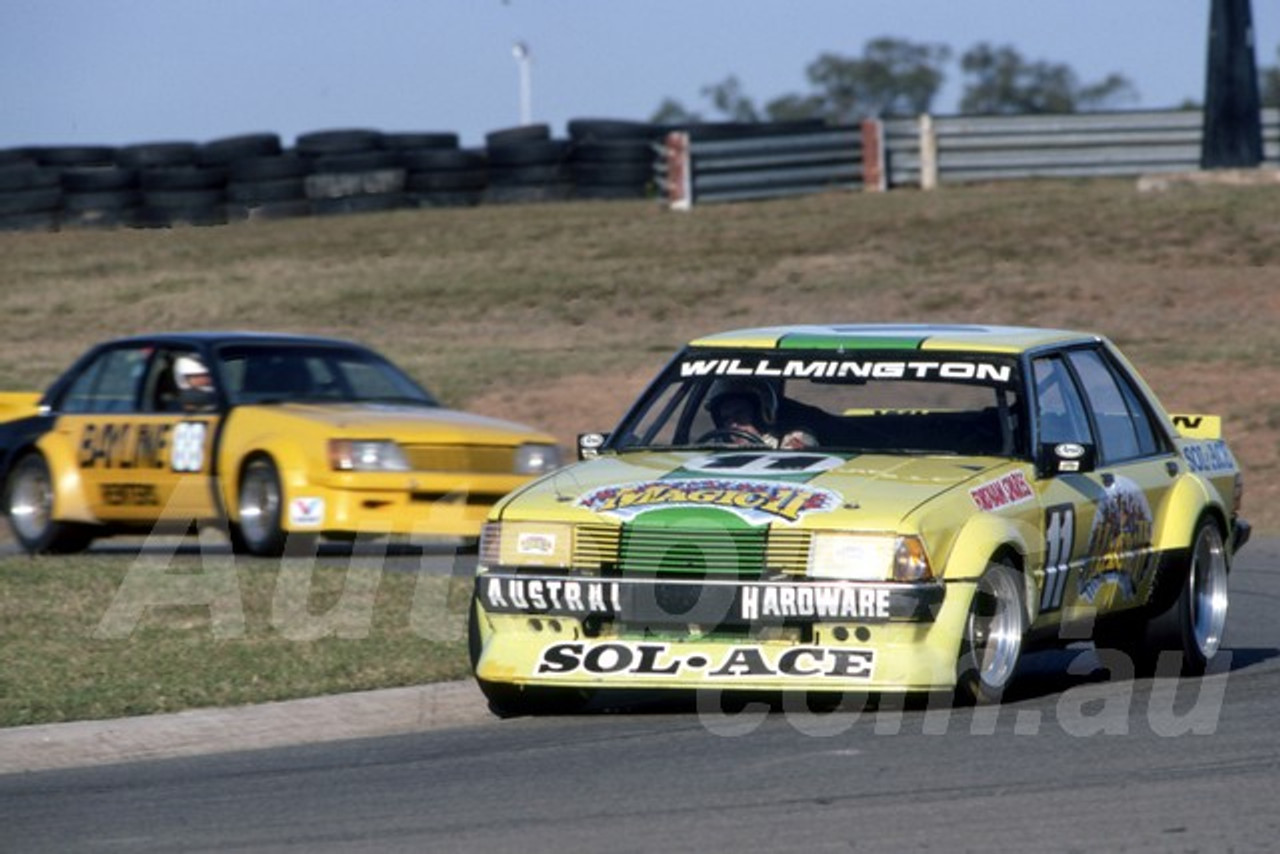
{"x": 612, "y": 159}
{"x": 351, "y": 171}
{"x": 96, "y": 190}
{"x": 175, "y": 188}
{"x": 251, "y": 176}
{"x": 440, "y": 174}
{"x": 527, "y": 165}
{"x": 263, "y": 181}
{"x": 30, "y": 194}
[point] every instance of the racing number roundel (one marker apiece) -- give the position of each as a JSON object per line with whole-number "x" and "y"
{"x": 188, "y": 447}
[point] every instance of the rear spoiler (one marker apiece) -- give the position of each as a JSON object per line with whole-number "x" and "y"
{"x": 19, "y": 404}
{"x": 1198, "y": 426}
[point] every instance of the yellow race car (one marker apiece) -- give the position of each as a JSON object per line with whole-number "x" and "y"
{"x": 281, "y": 438}
{"x": 862, "y": 508}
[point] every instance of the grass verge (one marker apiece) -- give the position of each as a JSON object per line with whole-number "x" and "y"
{"x": 110, "y": 636}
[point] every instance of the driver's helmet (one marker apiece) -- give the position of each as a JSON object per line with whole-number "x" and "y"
{"x": 762, "y": 396}
{"x": 191, "y": 374}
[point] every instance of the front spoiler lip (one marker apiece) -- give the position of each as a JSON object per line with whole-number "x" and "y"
{"x": 680, "y": 602}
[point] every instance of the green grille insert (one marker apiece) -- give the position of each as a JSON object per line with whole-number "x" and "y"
{"x": 694, "y": 551}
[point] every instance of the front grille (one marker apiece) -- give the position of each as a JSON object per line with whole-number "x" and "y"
{"x": 697, "y": 551}
{"x": 595, "y": 547}
{"x": 788, "y": 551}
{"x": 481, "y": 459}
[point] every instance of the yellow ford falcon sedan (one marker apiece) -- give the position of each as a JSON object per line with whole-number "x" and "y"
{"x": 862, "y": 508}
{"x": 279, "y": 437}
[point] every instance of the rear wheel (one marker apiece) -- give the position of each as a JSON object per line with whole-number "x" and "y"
{"x": 29, "y": 503}
{"x": 1192, "y": 626}
{"x": 1195, "y": 624}
{"x": 993, "y": 636}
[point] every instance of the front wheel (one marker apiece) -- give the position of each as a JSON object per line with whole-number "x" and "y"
{"x": 259, "y": 507}
{"x": 993, "y": 635}
{"x": 29, "y": 503}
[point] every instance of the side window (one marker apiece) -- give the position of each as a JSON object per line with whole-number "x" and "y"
{"x": 1060, "y": 412}
{"x": 1124, "y": 431}
{"x": 107, "y": 384}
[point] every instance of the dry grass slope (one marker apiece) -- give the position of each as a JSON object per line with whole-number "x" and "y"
{"x": 557, "y": 314}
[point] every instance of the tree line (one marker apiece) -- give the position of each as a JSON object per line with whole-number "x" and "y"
{"x": 896, "y": 77}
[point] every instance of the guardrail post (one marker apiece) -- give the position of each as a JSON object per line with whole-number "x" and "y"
{"x": 928, "y": 153}
{"x": 875, "y": 172}
{"x": 679, "y": 171}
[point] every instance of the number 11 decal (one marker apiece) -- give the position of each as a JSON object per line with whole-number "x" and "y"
{"x": 1059, "y": 538}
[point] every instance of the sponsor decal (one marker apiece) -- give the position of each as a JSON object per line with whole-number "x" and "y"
{"x": 1005, "y": 491}
{"x": 129, "y": 495}
{"x": 305, "y": 512}
{"x": 844, "y": 369}
{"x": 756, "y": 502}
{"x": 550, "y": 595}
{"x": 536, "y": 544}
{"x": 616, "y": 658}
{"x": 1069, "y": 451}
{"x": 816, "y": 601}
{"x": 1209, "y": 457}
{"x": 145, "y": 445}
{"x": 1119, "y": 550}
{"x": 684, "y": 602}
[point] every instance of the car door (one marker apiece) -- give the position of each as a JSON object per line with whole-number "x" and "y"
{"x": 1098, "y": 523}
{"x": 141, "y": 454}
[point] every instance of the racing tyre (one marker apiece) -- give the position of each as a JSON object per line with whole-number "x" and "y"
{"x": 1195, "y": 624}
{"x": 1191, "y": 625}
{"x": 260, "y": 505}
{"x": 993, "y": 636}
{"x": 511, "y": 701}
{"x": 29, "y": 503}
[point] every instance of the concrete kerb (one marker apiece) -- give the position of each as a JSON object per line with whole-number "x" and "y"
{"x": 196, "y": 732}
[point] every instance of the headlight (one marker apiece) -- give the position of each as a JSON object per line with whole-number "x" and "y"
{"x": 537, "y": 459}
{"x": 868, "y": 557}
{"x": 526, "y": 544}
{"x": 366, "y": 455}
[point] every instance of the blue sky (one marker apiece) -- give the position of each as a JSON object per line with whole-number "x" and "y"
{"x": 126, "y": 71}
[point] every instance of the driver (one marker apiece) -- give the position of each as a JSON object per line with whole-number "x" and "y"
{"x": 746, "y": 412}
{"x": 195, "y": 383}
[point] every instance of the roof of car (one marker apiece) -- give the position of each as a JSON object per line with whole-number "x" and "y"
{"x": 883, "y": 336}
{"x": 207, "y": 337}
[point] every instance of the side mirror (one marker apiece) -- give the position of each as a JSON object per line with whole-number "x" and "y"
{"x": 1055, "y": 458}
{"x": 589, "y": 445}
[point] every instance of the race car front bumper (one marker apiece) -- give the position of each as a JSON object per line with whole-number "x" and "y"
{"x": 742, "y": 636}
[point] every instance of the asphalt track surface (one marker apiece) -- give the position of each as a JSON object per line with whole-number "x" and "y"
{"x": 1073, "y": 763}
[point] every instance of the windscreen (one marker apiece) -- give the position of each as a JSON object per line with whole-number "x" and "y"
{"x": 865, "y": 401}
{"x": 264, "y": 373}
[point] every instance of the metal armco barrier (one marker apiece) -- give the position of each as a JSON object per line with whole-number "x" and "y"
{"x": 931, "y": 151}
{"x": 692, "y": 171}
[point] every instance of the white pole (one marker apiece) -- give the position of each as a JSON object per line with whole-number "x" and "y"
{"x": 524, "y": 59}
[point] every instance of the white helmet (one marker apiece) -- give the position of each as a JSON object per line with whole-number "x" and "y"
{"x": 187, "y": 367}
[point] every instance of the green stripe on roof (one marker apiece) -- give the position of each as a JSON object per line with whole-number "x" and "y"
{"x": 805, "y": 341}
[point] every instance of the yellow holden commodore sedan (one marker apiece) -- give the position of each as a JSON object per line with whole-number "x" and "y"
{"x": 862, "y": 508}
{"x": 276, "y": 436}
